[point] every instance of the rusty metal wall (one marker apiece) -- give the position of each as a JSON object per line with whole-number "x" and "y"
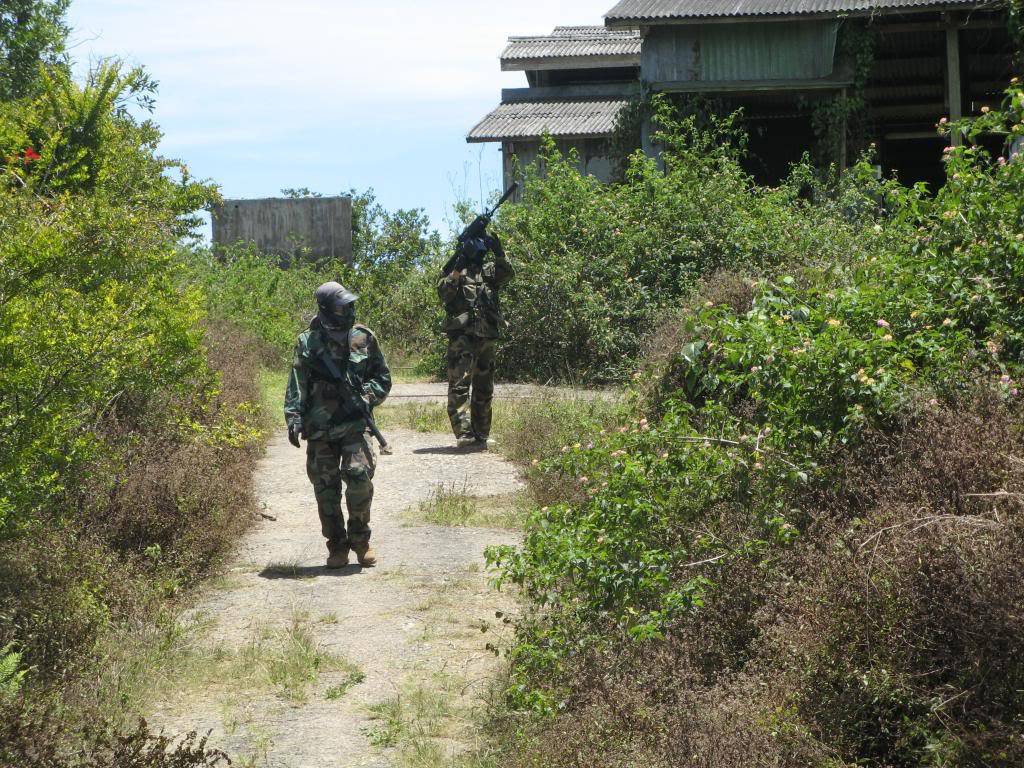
{"x": 313, "y": 228}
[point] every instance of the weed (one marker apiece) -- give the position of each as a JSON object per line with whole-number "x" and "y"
{"x": 415, "y": 415}
{"x": 451, "y": 504}
{"x": 287, "y": 660}
{"x": 287, "y": 569}
{"x": 389, "y": 724}
{"x": 352, "y": 678}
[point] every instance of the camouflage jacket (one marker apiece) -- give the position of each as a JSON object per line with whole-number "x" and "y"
{"x": 471, "y": 300}
{"x": 314, "y": 400}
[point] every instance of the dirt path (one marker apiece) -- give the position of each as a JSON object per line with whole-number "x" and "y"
{"x": 307, "y": 668}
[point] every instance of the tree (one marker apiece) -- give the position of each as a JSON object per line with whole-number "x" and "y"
{"x": 33, "y": 34}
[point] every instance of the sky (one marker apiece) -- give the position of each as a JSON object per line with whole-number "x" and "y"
{"x": 261, "y": 95}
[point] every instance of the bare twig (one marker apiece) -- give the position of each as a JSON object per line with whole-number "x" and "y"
{"x": 924, "y": 522}
{"x": 706, "y": 562}
{"x": 994, "y": 495}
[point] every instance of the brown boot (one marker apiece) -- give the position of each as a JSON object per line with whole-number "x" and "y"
{"x": 338, "y": 556}
{"x": 367, "y": 557}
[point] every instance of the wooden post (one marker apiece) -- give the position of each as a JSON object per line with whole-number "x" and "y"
{"x": 844, "y": 129}
{"x": 954, "y": 93}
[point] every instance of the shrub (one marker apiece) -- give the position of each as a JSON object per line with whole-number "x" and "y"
{"x": 129, "y": 433}
{"x": 800, "y": 550}
{"x": 597, "y": 265}
{"x": 396, "y": 257}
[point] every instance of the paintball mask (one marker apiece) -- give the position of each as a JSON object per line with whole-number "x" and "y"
{"x": 337, "y": 306}
{"x": 474, "y": 249}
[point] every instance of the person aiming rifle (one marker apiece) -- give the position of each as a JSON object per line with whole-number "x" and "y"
{"x": 468, "y": 287}
{"x": 338, "y": 376}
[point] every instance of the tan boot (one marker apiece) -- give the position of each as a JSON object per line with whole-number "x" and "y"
{"x": 367, "y": 557}
{"x": 338, "y": 557}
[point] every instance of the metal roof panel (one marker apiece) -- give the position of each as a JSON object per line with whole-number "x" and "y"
{"x": 647, "y": 11}
{"x": 575, "y": 42}
{"x": 555, "y": 118}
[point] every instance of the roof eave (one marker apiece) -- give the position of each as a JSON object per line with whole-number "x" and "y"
{"x": 570, "y": 62}
{"x": 644, "y": 23}
{"x": 536, "y": 137}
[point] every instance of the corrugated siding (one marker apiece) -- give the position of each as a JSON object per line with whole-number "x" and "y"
{"x": 554, "y": 118}
{"x": 653, "y": 10}
{"x": 574, "y": 42}
{"x": 803, "y": 50}
{"x": 799, "y": 51}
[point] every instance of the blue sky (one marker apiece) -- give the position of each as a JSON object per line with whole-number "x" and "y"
{"x": 259, "y": 95}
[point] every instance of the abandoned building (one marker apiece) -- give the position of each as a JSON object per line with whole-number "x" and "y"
{"x": 580, "y": 79}
{"x": 823, "y": 76}
{"x": 307, "y": 228}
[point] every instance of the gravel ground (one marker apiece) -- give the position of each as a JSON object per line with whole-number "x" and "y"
{"x": 417, "y": 613}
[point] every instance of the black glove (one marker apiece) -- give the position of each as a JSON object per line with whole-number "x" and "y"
{"x": 294, "y": 433}
{"x": 370, "y": 397}
{"x": 494, "y": 244}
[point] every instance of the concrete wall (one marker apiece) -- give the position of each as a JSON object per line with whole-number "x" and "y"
{"x": 312, "y": 227}
{"x": 593, "y": 157}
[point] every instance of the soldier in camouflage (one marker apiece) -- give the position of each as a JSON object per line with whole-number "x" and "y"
{"x": 319, "y": 408}
{"x": 473, "y": 324}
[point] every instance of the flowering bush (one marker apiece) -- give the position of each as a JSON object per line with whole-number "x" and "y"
{"x": 790, "y": 428}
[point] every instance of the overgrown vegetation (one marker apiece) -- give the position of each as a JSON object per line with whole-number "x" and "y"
{"x": 396, "y": 257}
{"x": 598, "y": 265}
{"x": 802, "y": 547}
{"x": 128, "y": 416}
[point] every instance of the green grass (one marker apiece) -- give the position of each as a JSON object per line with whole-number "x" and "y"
{"x": 417, "y": 415}
{"x": 286, "y": 660}
{"x": 451, "y": 504}
{"x": 415, "y": 719}
{"x": 352, "y": 678}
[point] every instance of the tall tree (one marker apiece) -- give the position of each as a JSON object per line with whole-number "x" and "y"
{"x": 32, "y": 33}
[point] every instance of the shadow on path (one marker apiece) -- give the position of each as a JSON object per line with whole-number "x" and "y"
{"x": 449, "y": 450}
{"x": 300, "y": 572}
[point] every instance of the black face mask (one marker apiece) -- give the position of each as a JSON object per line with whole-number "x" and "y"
{"x": 342, "y": 321}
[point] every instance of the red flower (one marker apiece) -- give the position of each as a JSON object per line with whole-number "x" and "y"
{"x": 30, "y": 155}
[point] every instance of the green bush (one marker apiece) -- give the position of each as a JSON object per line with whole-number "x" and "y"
{"x": 598, "y": 265}
{"x": 128, "y": 419}
{"x": 822, "y": 472}
{"x": 395, "y": 260}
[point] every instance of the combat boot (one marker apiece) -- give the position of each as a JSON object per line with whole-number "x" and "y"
{"x": 485, "y": 443}
{"x": 367, "y": 557}
{"x": 337, "y": 556}
{"x": 466, "y": 441}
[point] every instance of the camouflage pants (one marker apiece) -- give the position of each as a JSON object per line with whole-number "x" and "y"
{"x": 328, "y": 462}
{"x": 470, "y": 364}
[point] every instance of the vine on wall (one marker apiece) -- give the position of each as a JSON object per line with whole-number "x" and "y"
{"x": 846, "y": 116}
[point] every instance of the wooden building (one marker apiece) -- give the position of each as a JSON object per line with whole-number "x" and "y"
{"x": 579, "y": 79}
{"x": 823, "y": 76}
{"x": 886, "y": 71}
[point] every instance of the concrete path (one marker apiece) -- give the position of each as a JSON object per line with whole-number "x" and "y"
{"x": 417, "y": 619}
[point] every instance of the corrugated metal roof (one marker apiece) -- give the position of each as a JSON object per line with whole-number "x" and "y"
{"x": 645, "y": 11}
{"x": 555, "y": 118}
{"x": 575, "y": 42}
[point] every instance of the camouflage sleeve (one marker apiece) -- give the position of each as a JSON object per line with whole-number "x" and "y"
{"x": 448, "y": 289}
{"x": 503, "y": 271}
{"x": 298, "y": 389}
{"x": 378, "y": 375}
